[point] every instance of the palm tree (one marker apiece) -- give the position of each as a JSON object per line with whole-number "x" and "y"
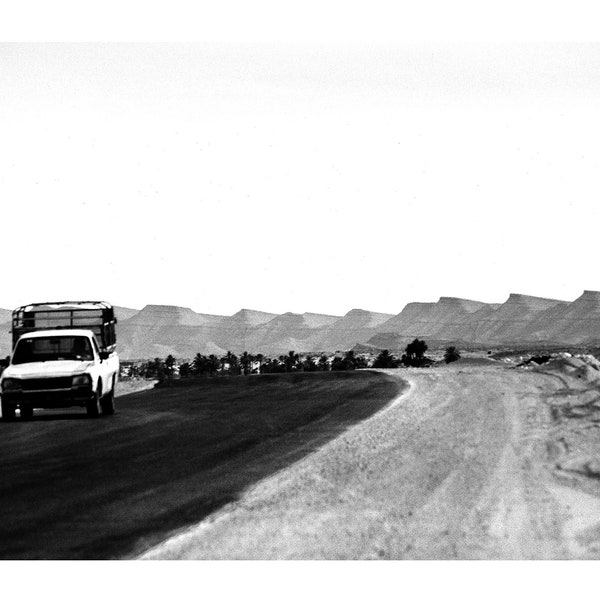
{"x": 232, "y": 360}
{"x": 158, "y": 368}
{"x": 185, "y": 370}
{"x": 416, "y": 349}
{"x": 385, "y": 360}
{"x": 259, "y": 357}
{"x": 451, "y": 354}
{"x": 309, "y": 364}
{"x": 198, "y": 364}
{"x": 245, "y": 361}
{"x": 290, "y": 361}
{"x": 212, "y": 364}
{"x": 350, "y": 360}
{"x": 170, "y": 366}
{"x": 324, "y": 363}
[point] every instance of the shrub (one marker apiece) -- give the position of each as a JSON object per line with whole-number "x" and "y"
{"x": 415, "y": 354}
{"x": 385, "y": 360}
{"x": 451, "y": 354}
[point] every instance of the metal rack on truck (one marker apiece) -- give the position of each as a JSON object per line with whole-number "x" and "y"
{"x": 98, "y": 317}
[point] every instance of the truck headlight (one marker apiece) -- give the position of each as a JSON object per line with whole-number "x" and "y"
{"x": 11, "y": 385}
{"x": 79, "y": 380}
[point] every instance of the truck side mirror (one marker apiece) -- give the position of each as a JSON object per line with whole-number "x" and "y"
{"x": 4, "y": 362}
{"x": 104, "y": 354}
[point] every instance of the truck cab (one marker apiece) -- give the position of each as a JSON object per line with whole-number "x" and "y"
{"x": 58, "y": 361}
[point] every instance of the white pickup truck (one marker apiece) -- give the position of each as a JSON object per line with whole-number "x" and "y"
{"x": 63, "y": 355}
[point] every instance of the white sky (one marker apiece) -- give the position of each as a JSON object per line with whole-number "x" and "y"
{"x": 301, "y": 176}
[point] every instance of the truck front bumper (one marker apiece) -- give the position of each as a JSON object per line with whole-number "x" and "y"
{"x": 61, "y": 398}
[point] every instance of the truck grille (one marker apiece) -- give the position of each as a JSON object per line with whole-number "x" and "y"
{"x": 49, "y": 383}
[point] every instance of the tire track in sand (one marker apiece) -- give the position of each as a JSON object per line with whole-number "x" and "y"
{"x": 454, "y": 468}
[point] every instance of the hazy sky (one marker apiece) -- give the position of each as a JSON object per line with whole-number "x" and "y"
{"x": 298, "y": 177}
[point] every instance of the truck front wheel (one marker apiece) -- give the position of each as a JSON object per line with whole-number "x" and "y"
{"x": 8, "y": 411}
{"x": 92, "y": 406}
{"x": 107, "y": 404}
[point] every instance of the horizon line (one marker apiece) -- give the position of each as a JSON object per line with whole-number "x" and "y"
{"x": 511, "y": 295}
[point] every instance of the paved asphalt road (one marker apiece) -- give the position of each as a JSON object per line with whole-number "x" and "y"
{"x": 77, "y": 487}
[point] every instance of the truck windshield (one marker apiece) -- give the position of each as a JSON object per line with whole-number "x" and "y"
{"x": 39, "y": 349}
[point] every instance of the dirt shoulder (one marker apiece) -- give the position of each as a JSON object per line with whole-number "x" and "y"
{"x": 463, "y": 465}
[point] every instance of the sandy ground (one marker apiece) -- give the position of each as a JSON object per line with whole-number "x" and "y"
{"x": 471, "y": 463}
{"x": 130, "y": 386}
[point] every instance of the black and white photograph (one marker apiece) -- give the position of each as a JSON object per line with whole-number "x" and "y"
{"x": 303, "y": 284}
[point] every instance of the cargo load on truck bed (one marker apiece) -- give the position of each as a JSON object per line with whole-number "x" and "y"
{"x": 98, "y": 317}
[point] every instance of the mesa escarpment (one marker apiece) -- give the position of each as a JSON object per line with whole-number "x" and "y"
{"x": 234, "y": 332}
{"x": 507, "y": 322}
{"x": 290, "y": 331}
{"x": 521, "y": 319}
{"x": 355, "y": 327}
{"x": 158, "y": 330}
{"x": 576, "y": 322}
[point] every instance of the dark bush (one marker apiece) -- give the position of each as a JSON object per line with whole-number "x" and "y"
{"x": 451, "y": 354}
{"x": 385, "y": 360}
{"x": 415, "y": 354}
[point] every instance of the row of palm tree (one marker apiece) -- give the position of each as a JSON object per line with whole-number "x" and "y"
{"x": 246, "y": 363}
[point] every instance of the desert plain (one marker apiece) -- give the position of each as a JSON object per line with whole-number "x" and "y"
{"x": 478, "y": 459}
